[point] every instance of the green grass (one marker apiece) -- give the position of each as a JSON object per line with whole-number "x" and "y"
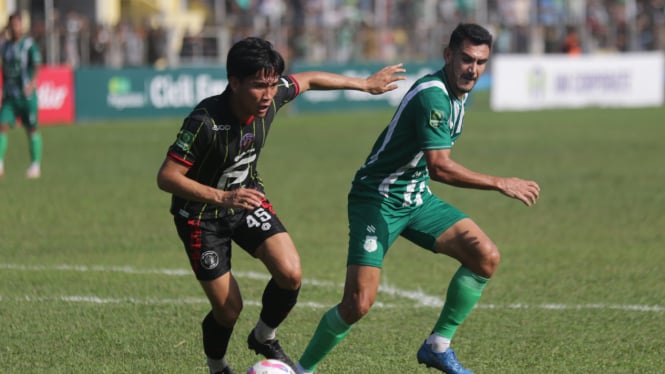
{"x": 84, "y": 251}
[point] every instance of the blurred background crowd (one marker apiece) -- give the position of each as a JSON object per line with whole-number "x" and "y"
{"x": 120, "y": 33}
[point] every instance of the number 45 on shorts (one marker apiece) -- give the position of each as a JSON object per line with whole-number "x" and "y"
{"x": 259, "y": 218}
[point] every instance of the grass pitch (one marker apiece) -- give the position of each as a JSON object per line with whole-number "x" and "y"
{"x": 94, "y": 279}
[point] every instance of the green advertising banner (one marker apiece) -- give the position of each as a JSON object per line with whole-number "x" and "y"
{"x": 143, "y": 92}
{"x": 351, "y": 100}
{"x": 103, "y": 93}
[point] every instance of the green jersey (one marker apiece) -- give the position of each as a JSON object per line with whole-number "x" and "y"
{"x": 20, "y": 60}
{"x": 429, "y": 117}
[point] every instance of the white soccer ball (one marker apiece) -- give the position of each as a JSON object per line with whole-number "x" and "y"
{"x": 268, "y": 366}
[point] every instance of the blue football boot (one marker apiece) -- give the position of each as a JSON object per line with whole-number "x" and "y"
{"x": 445, "y": 361}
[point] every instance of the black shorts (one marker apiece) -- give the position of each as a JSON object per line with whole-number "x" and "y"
{"x": 208, "y": 242}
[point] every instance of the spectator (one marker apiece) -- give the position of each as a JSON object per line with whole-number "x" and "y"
{"x": 571, "y": 43}
{"x": 156, "y": 45}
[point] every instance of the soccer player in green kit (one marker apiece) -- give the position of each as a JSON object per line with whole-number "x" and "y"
{"x": 390, "y": 197}
{"x": 21, "y": 59}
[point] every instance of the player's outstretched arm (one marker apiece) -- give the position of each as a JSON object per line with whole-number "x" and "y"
{"x": 380, "y": 82}
{"x": 445, "y": 170}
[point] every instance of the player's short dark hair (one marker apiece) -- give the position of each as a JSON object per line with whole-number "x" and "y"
{"x": 252, "y": 55}
{"x": 14, "y": 15}
{"x": 475, "y": 33}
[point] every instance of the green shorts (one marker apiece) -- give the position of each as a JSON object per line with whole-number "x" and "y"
{"x": 375, "y": 225}
{"x": 19, "y": 107}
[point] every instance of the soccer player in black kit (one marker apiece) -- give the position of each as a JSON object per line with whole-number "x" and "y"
{"x": 218, "y": 196}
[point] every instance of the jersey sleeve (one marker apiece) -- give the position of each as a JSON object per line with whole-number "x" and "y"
{"x": 431, "y": 113}
{"x": 35, "y": 55}
{"x": 287, "y": 90}
{"x": 34, "y": 59}
{"x": 192, "y": 140}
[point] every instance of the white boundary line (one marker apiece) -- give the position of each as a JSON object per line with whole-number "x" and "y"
{"x": 419, "y": 298}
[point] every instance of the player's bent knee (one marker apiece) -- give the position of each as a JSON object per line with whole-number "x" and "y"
{"x": 490, "y": 258}
{"x": 289, "y": 279}
{"x": 227, "y": 315}
{"x": 288, "y": 283}
{"x": 353, "y": 311}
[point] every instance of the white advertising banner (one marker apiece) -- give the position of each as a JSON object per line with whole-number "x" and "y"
{"x": 525, "y": 82}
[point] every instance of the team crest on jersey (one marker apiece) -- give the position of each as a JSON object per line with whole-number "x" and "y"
{"x": 185, "y": 140}
{"x": 371, "y": 243}
{"x": 209, "y": 260}
{"x": 435, "y": 118}
{"x": 246, "y": 141}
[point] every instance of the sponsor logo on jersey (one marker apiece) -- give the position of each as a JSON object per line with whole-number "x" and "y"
{"x": 435, "y": 118}
{"x": 209, "y": 260}
{"x": 237, "y": 173}
{"x": 221, "y": 127}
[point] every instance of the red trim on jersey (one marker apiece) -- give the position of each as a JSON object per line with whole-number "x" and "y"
{"x": 179, "y": 159}
{"x": 249, "y": 120}
{"x": 295, "y": 83}
{"x": 266, "y": 205}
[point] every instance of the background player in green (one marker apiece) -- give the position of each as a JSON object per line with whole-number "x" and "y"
{"x": 390, "y": 197}
{"x": 20, "y": 61}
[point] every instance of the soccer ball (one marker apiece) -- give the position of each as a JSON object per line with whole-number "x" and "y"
{"x": 269, "y": 366}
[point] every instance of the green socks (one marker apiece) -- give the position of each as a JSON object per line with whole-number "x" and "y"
{"x": 331, "y": 331}
{"x": 3, "y": 145}
{"x": 35, "y": 141}
{"x": 463, "y": 294}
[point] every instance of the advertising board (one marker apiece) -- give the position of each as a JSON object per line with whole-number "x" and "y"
{"x": 528, "y": 82}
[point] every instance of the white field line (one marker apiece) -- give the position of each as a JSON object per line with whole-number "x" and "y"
{"x": 419, "y": 298}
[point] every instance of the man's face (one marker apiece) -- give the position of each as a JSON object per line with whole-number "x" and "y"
{"x": 465, "y": 65}
{"x": 253, "y": 96}
{"x": 15, "y": 28}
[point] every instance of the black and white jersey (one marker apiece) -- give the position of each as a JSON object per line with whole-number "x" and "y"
{"x": 221, "y": 151}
